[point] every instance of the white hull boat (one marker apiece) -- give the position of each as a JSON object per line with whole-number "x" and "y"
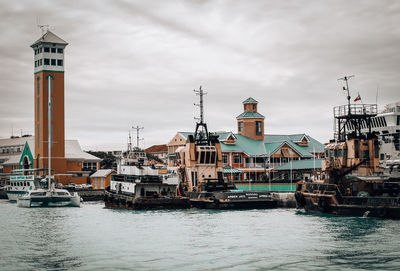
{"x": 47, "y": 198}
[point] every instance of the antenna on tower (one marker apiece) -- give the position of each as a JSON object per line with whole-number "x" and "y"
{"x": 200, "y": 93}
{"x": 43, "y": 27}
{"x": 201, "y": 136}
{"x": 137, "y": 128}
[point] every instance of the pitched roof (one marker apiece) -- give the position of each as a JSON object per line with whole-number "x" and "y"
{"x": 250, "y": 100}
{"x": 250, "y": 147}
{"x": 49, "y": 37}
{"x": 250, "y": 115}
{"x": 157, "y": 148}
{"x": 301, "y": 164}
{"x": 101, "y": 173}
{"x": 73, "y": 151}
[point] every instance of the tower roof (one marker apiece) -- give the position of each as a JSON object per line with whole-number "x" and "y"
{"x": 49, "y": 37}
{"x": 250, "y": 115}
{"x": 250, "y": 100}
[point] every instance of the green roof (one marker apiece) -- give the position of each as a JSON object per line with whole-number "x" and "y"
{"x": 301, "y": 164}
{"x": 269, "y": 145}
{"x": 250, "y": 100}
{"x": 246, "y": 145}
{"x": 250, "y": 115}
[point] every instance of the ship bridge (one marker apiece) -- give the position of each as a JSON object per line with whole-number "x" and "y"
{"x": 355, "y": 115}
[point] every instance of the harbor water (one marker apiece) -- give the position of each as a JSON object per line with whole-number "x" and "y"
{"x": 95, "y": 238}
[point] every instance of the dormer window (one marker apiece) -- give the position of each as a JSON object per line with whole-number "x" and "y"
{"x": 254, "y": 107}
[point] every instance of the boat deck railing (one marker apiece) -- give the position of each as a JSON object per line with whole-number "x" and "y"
{"x": 355, "y": 111}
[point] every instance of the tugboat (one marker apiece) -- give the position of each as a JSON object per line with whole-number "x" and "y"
{"x": 354, "y": 183}
{"x": 138, "y": 186}
{"x": 201, "y": 173}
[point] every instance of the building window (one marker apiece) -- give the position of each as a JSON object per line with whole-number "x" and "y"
{"x": 46, "y": 49}
{"x": 398, "y": 120}
{"x": 258, "y": 128}
{"x": 46, "y": 61}
{"x": 59, "y": 62}
{"x": 240, "y": 126}
{"x": 35, "y": 63}
{"x": 237, "y": 159}
{"x": 60, "y": 50}
{"x": 40, "y": 50}
{"x": 40, "y": 62}
{"x": 53, "y": 62}
{"x": 53, "y": 50}
{"x": 254, "y": 107}
{"x": 225, "y": 159}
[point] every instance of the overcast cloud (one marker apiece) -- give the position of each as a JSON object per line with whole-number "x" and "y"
{"x": 137, "y": 63}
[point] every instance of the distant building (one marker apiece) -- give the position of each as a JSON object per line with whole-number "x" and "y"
{"x": 250, "y": 153}
{"x": 16, "y": 153}
{"x": 160, "y": 151}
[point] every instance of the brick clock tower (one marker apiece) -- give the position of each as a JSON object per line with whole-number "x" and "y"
{"x": 250, "y": 122}
{"x": 49, "y": 74}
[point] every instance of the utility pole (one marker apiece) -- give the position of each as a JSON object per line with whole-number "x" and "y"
{"x": 137, "y": 128}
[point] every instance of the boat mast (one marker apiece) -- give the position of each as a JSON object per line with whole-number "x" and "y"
{"x": 49, "y": 117}
{"x": 346, "y": 79}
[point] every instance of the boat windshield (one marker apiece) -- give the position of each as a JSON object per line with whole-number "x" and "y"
{"x": 38, "y": 194}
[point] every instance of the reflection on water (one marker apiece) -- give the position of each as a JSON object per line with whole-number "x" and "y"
{"x": 92, "y": 238}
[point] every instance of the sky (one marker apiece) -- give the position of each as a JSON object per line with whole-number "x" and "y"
{"x": 132, "y": 63}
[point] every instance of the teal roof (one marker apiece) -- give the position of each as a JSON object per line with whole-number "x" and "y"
{"x": 301, "y": 165}
{"x": 250, "y": 115}
{"x": 246, "y": 145}
{"x": 250, "y": 100}
{"x": 269, "y": 145}
{"x": 313, "y": 144}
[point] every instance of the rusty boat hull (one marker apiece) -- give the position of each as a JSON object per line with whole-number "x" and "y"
{"x": 130, "y": 202}
{"x": 326, "y": 199}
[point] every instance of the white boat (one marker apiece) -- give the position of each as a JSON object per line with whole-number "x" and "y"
{"x": 49, "y": 198}
{"x": 22, "y": 181}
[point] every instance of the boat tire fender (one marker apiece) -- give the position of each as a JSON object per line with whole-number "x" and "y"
{"x": 323, "y": 204}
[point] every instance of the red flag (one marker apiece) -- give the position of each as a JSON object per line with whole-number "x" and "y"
{"x": 358, "y": 98}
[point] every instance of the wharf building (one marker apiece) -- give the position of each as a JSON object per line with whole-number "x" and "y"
{"x": 250, "y": 154}
{"x": 69, "y": 162}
